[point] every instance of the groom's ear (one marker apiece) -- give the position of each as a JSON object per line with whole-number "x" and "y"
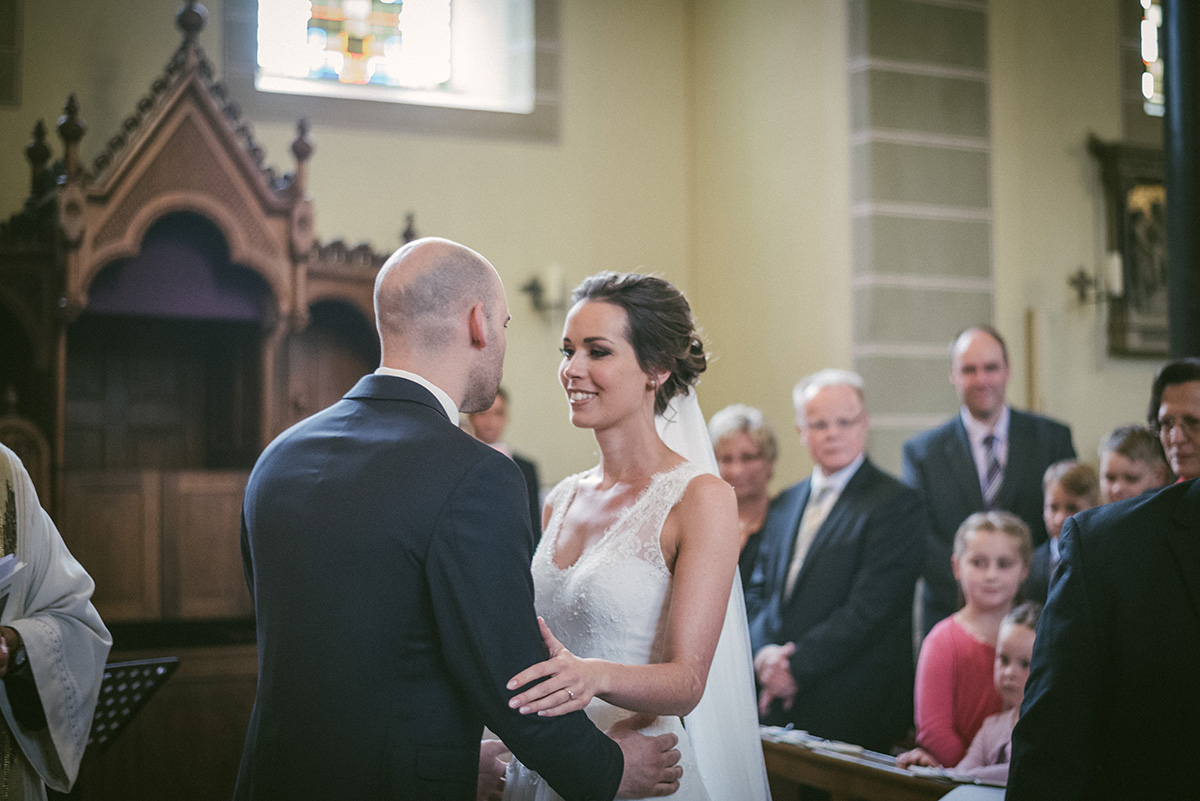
{"x": 477, "y": 325}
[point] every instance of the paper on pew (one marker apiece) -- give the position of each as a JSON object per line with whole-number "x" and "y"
{"x": 803, "y": 738}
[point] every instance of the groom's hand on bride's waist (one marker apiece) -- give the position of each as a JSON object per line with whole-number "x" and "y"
{"x": 651, "y": 763}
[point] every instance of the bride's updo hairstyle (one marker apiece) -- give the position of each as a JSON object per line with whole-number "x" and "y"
{"x": 660, "y": 327}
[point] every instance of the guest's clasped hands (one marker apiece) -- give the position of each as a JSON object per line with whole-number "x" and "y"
{"x": 570, "y": 682}
{"x": 774, "y": 671}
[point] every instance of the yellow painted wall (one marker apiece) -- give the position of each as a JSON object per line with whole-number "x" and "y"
{"x": 1055, "y": 80}
{"x": 702, "y": 139}
{"x": 770, "y": 203}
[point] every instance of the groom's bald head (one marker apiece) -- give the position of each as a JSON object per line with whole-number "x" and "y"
{"x": 425, "y": 289}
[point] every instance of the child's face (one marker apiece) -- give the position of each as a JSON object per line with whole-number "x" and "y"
{"x": 989, "y": 569}
{"x": 1122, "y": 477}
{"x": 1058, "y": 506}
{"x": 1014, "y": 649}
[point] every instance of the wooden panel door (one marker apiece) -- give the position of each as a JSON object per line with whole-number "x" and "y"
{"x": 135, "y": 397}
{"x": 111, "y": 523}
{"x": 202, "y": 555}
{"x": 322, "y": 366}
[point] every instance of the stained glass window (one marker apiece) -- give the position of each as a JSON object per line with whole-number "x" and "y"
{"x": 1152, "y": 75}
{"x": 462, "y": 53}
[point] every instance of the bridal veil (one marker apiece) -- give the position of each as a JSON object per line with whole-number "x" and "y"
{"x": 723, "y": 727}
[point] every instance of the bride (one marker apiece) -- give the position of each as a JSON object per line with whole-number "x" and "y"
{"x": 634, "y": 576}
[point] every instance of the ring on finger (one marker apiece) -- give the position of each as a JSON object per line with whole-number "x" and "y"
{"x": 570, "y": 695}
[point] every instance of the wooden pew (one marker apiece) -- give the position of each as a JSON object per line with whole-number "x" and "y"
{"x": 864, "y": 776}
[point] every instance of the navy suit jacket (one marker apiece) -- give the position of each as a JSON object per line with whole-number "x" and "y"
{"x": 850, "y": 614}
{"x": 388, "y": 555}
{"x": 1112, "y": 705}
{"x": 1037, "y": 583}
{"x": 938, "y": 463}
{"x": 533, "y": 487}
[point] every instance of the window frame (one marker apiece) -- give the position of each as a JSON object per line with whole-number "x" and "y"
{"x": 240, "y": 19}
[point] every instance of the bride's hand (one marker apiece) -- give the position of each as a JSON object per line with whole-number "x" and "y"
{"x": 570, "y": 682}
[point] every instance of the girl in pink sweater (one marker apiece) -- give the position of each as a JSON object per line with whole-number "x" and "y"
{"x": 954, "y": 689}
{"x": 990, "y": 751}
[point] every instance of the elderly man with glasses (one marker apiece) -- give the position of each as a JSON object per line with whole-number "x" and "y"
{"x": 840, "y": 555}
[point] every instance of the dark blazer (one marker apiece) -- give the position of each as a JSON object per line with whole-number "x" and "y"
{"x": 747, "y": 560}
{"x": 850, "y": 614}
{"x": 388, "y": 555}
{"x": 1037, "y": 583}
{"x": 1112, "y": 705}
{"x": 938, "y": 463}
{"x": 533, "y": 488}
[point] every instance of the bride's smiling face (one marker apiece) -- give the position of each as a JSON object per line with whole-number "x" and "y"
{"x": 600, "y": 370}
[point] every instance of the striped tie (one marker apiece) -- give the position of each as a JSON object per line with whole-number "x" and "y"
{"x": 992, "y": 474}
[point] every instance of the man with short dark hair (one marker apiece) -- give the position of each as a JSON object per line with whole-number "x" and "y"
{"x": 1175, "y": 414}
{"x": 988, "y": 456}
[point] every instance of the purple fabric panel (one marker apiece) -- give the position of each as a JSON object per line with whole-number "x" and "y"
{"x": 183, "y": 271}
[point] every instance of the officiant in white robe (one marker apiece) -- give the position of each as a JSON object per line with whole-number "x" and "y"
{"x": 56, "y": 646}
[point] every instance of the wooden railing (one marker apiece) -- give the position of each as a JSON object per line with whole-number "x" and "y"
{"x": 864, "y": 776}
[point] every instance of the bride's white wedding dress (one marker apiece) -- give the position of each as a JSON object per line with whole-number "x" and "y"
{"x": 611, "y": 604}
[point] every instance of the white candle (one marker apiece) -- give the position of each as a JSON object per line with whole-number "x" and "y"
{"x": 555, "y": 288}
{"x": 1116, "y": 275}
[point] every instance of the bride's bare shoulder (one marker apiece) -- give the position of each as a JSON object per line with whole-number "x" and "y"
{"x": 707, "y": 499}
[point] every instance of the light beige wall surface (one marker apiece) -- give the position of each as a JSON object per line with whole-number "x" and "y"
{"x": 770, "y": 203}
{"x": 705, "y": 140}
{"x": 1055, "y": 80}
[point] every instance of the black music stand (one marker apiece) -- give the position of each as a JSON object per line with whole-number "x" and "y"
{"x": 126, "y": 688}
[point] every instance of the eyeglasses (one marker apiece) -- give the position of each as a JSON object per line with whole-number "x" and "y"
{"x": 840, "y": 423}
{"x": 1189, "y": 425}
{"x": 741, "y": 458}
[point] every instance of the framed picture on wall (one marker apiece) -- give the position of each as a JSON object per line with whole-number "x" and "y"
{"x": 1136, "y": 236}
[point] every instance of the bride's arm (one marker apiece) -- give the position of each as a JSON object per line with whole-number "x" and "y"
{"x": 701, "y": 533}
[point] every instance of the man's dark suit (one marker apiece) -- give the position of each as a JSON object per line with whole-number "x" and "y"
{"x": 533, "y": 488}
{"x": 850, "y": 614}
{"x": 388, "y": 555}
{"x": 1112, "y": 705}
{"x": 939, "y": 464}
{"x": 1037, "y": 583}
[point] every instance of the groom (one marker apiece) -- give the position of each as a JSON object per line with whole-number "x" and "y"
{"x": 388, "y": 556}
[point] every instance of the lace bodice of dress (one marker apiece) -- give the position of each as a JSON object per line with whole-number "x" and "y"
{"x": 611, "y": 603}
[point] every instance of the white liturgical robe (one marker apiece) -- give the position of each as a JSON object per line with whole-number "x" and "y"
{"x": 49, "y": 604}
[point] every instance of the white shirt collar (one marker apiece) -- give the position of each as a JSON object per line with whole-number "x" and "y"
{"x": 449, "y": 405}
{"x": 835, "y": 481}
{"x": 976, "y": 430}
